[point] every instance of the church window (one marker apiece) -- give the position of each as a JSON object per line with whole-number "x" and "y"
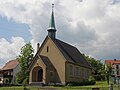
{"x": 71, "y": 70}
{"x": 77, "y": 71}
{"x": 47, "y": 48}
{"x": 51, "y": 73}
{"x": 87, "y": 73}
{"x": 83, "y": 73}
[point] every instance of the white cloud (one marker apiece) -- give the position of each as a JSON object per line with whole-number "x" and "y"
{"x": 10, "y": 50}
{"x": 91, "y": 25}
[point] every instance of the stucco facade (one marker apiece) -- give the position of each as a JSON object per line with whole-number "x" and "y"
{"x": 115, "y": 73}
{"x": 56, "y": 59}
{"x": 59, "y": 71}
{"x": 77, "y": 73}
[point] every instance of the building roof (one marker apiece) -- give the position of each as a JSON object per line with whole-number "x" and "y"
{"x": 71, "y": 53}
{"x": 10, "y": 65}
{"x": 112, "y": 62}
{"x": 46, "y": 61}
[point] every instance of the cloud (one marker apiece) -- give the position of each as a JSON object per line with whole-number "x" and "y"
{"x": 100, "y": 27}
{"x": 91, "y": 25}
{"x": 10, "y": 50}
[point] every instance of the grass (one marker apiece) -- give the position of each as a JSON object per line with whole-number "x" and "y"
{"x": 102, "y": 85}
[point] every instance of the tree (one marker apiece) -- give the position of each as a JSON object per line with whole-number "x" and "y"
{"x": 20, "y": 77}
{"x": 97, "y": 66}
{"x": 108, "y": 70}
{"x": 25, "y": 58}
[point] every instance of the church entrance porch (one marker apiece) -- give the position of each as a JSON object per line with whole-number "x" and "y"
{"x": 37, "y": 74}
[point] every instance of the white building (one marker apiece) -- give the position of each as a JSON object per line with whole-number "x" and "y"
{"x": 9, "y": 71}
{"x": 115, "y": 74}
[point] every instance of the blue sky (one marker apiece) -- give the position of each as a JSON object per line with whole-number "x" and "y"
{"x": 93, "y": 26}
{"x": 9, "y": 28}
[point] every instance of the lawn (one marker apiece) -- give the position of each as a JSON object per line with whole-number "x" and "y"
{"x": 101, "y": 85}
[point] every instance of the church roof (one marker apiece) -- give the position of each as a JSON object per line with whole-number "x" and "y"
{"x": 46, "y": 61}
{"x": 10, "y": 65}
{"x": 71, "y": 53}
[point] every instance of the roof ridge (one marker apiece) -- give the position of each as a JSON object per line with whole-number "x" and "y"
{"x": 10, "y": 65}
{"x": 10, "y": 61}
{"x": 65, "y": 50}
{"x": 66, "y": 43}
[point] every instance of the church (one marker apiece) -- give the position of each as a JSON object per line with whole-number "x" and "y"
{"x": 57, "y": 61}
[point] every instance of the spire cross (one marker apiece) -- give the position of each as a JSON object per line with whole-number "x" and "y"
{"x": 52, "y": 6}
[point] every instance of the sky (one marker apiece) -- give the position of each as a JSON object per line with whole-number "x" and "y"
{"x": 93, "y": 26}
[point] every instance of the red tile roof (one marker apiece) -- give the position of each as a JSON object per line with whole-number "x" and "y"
{"x": 112, "y": 62}
{"x": 10, "y": 65}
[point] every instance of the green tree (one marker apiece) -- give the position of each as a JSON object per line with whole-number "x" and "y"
{"x": 25, "y": 58}
{"x": 108, "y": 70}
{"x": 97, "y": 66}
{"x": 20, "y": 77}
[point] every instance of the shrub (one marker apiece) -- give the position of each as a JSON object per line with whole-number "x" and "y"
{"x": 20, "y": 77}
{"x": 91, "y": 80}
{"x": 82, "y": 83}
{"x": 73, "y": 84}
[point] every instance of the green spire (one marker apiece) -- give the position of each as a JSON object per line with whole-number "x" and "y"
{"x": 52, "y": 21}
{"x": 52, "y": 29}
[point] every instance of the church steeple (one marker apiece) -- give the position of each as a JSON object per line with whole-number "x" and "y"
{"x": 52, "y": 29}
